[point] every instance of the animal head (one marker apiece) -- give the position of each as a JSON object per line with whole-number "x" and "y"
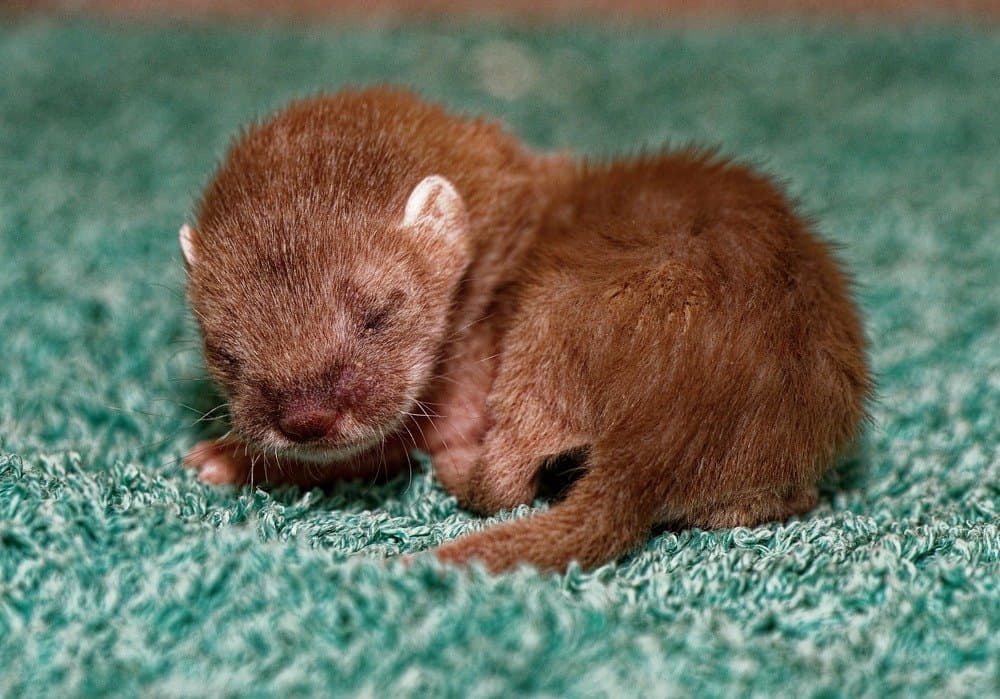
{"x": 322, "y": 326}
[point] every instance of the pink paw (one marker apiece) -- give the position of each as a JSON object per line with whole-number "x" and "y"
{"x": 217, "y": 463}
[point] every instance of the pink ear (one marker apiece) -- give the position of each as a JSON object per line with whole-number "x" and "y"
{"x": 436, "y": 208}
{"x": 187, "y": 236}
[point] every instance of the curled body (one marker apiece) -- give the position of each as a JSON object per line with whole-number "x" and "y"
{"x": 372, "y": 274}
{"x": 681, "y": 330}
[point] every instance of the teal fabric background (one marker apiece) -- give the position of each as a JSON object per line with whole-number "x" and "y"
{"x": 121, "y": 574}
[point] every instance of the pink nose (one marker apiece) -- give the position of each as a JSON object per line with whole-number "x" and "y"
{"x": 305, "y": 426}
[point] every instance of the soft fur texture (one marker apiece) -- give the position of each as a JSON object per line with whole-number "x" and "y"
{"x": 668, "y": 320}
{"x": 678, "y": 328}
{"x": 119, "y": 573}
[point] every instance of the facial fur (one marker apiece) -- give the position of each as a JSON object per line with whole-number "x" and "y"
{"x": 322, "y": 317}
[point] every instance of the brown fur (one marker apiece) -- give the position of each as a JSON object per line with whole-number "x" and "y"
{"x": 682, "y": 327}
{"x": 669, "y": 317}
{"x": 297, "y": 246}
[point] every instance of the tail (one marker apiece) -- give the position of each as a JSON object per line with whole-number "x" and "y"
{"x": 605, "y": 515}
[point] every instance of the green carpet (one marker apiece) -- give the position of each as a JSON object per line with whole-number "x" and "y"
{"x": 121, "y": 574}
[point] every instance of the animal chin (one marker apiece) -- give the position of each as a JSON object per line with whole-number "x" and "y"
{"x": 325, "y": 455}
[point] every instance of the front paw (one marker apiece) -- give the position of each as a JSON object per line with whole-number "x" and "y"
{"x": 488, "y": 495}
{"x": 219, "y": 462}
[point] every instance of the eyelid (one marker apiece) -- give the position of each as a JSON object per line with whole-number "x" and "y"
{"x": 376, "y": 317}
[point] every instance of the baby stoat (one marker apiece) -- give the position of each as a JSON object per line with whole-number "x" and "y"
{"x": 372, "y": 274}
{"x": 342, "y": 265}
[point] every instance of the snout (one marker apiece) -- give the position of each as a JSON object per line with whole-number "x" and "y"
{"x": 323, "y": 410}
{"x": 307, "y": 424}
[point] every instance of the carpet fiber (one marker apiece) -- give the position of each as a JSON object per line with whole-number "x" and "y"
{"x": 121, "y": 574}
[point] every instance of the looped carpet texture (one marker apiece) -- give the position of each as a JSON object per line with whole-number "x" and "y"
{"x": 120, "y": 574}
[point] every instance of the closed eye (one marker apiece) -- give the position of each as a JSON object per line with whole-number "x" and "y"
{"x": 376, "y": 319}
{"x": 377, "y": 316}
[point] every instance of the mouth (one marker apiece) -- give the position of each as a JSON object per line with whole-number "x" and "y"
{"x": 353, "y": 439}
{"x": 323, "y": 453}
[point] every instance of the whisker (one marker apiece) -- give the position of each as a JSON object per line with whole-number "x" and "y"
{"x": 444, "y": 442}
